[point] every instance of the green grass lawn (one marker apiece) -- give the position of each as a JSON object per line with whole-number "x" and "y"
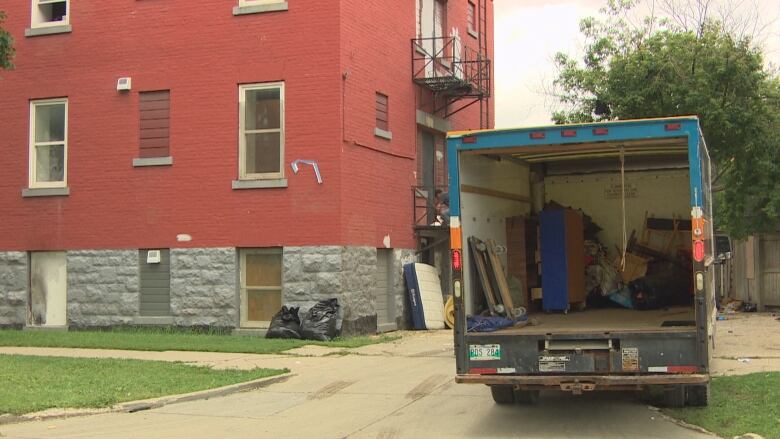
{"x": 739, "y": 405}
{"x": 31, "y": 384}
{"x": 164, "y": 339}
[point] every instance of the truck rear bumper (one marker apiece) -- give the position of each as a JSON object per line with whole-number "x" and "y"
{"x": 577, "y": 383}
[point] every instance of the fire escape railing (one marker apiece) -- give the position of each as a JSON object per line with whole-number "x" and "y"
{"x": 446, "y": 66}
{"x": 424, "y": 209}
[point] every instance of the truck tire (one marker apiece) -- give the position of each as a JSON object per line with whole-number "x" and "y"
{"x": 502, "y": 394}
{"x": 697, "y": 396}
{"x": 527, "y": 397}
{"x": 674, "y": 396}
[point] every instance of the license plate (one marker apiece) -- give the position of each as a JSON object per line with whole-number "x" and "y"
{"x": 484, "y": 352}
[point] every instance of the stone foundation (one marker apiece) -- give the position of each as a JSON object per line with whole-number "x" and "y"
{"x": 203, "y": 287}
{"x": 13, "y": 289}
{"x": 311, "y": 274}
{"x": 102, "y": 287}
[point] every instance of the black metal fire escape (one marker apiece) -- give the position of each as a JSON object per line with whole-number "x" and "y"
{"x": 454, "y": 74}
{"x": 457, "y": 75}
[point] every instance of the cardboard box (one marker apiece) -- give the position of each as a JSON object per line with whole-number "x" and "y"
{"x": 536, "y": 293}
{"x": 636, "y": 267}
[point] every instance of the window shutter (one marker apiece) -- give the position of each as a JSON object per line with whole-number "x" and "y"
{"x": 382, "y": 112}
{"x": 155, "y": 111}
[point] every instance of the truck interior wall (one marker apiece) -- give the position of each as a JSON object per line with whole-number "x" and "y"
{"x": 659, "y": 193}
{"x": 483, "y": 215}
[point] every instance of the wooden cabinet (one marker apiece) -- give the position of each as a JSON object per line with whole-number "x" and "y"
{"x": 562, "y": 245}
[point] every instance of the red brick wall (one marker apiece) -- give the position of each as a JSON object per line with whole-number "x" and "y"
{"x": 378, "y": 174}
{"x": 201, "y": 54}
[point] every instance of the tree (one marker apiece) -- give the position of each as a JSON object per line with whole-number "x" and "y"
{"x": 6, "y": 46}
{"x": 658, "y": 68}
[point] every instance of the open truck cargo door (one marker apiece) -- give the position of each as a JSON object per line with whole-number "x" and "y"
{"x": 636, "y": 195}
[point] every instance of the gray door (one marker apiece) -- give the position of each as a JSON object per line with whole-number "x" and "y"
{"x": 383, "y": 291}
{"x": 155, "y": 283}
{"x": 48, "y": 289}
{"x": 770, "y": 270}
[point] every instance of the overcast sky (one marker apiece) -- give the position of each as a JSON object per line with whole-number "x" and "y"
{"x": 528, "y": 33}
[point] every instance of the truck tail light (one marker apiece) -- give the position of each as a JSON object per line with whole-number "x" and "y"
{"x": 457, "y": 261}
{"x": 600, "y": 131}
{"x": 673, "y": 126}
{"x": 537, "y": 135}
{"x": 698, "y": 251}
{"x": 699, "y": 281}
{"x": 469, "y": 139}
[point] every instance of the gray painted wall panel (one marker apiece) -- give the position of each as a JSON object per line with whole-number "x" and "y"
{"x": 155, "y": 284}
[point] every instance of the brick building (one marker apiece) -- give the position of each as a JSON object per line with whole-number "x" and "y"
{"x": 166, "y": 163}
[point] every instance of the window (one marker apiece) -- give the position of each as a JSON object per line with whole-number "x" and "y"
{"x": 472, "y": 18}
{"x": 261, "y": 285}
{"x": 261, "y": 131}
{"x": 155, "y": 111}
{"x": 49, "y": 12}
{"x": 48, "y": 143}
{"x": 382, "y": 112}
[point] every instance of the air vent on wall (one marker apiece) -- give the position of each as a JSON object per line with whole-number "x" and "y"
{"x": 153, "y": 257}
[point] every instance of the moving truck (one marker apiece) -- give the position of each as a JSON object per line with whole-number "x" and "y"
{"x": 622, "y": 177}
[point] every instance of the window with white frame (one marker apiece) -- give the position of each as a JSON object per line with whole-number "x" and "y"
{"x": 48, "y": 143}
{"x": 50, "y": 12}
{"x": 472, "y": 17}
{"x": 261, "y": 131}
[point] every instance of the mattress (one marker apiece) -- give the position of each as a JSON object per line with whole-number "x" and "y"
{"x": 425, "y": 296}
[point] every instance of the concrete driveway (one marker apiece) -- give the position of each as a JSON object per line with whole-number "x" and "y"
{"x": 403, "y": 389}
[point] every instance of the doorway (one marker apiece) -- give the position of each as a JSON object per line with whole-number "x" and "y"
{"x": 47, "y": 301}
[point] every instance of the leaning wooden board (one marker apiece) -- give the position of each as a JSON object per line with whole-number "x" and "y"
{"x": 479, "y": 260}
{"x": 498, "y": 272}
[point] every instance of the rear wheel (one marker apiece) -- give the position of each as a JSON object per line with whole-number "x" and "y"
{"x": 502, "y": 394}
{"x": 697, "y": 396}
{"x": 674, "y": 396}
{"x": 527, "y": 396}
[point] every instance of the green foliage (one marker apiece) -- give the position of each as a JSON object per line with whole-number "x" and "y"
{"x": 164, "y": 339}
{"x": 739, "y": 405}
{"x": 33, "y": 384}
{"x": 6, "y": 46}
{"x": 656, "y": 69}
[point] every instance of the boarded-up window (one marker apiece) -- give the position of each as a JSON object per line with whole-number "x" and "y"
{"x": 382, "y": 112}
{"x": 261, "y": 285}
{"x": 472, "y": 17}
{"x": 155, "y": 123}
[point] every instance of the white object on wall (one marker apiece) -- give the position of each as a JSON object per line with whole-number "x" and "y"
{"x": 153, "y": 257}
{"x": 124, "y": 84}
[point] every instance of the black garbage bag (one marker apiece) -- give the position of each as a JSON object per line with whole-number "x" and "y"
{"x": 319, "y": 322}
{"x": 285, "y": 324}
{"x": 662, "y": 290}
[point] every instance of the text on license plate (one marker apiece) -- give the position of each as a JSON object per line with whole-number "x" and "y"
{"x": 484, "y": 352}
